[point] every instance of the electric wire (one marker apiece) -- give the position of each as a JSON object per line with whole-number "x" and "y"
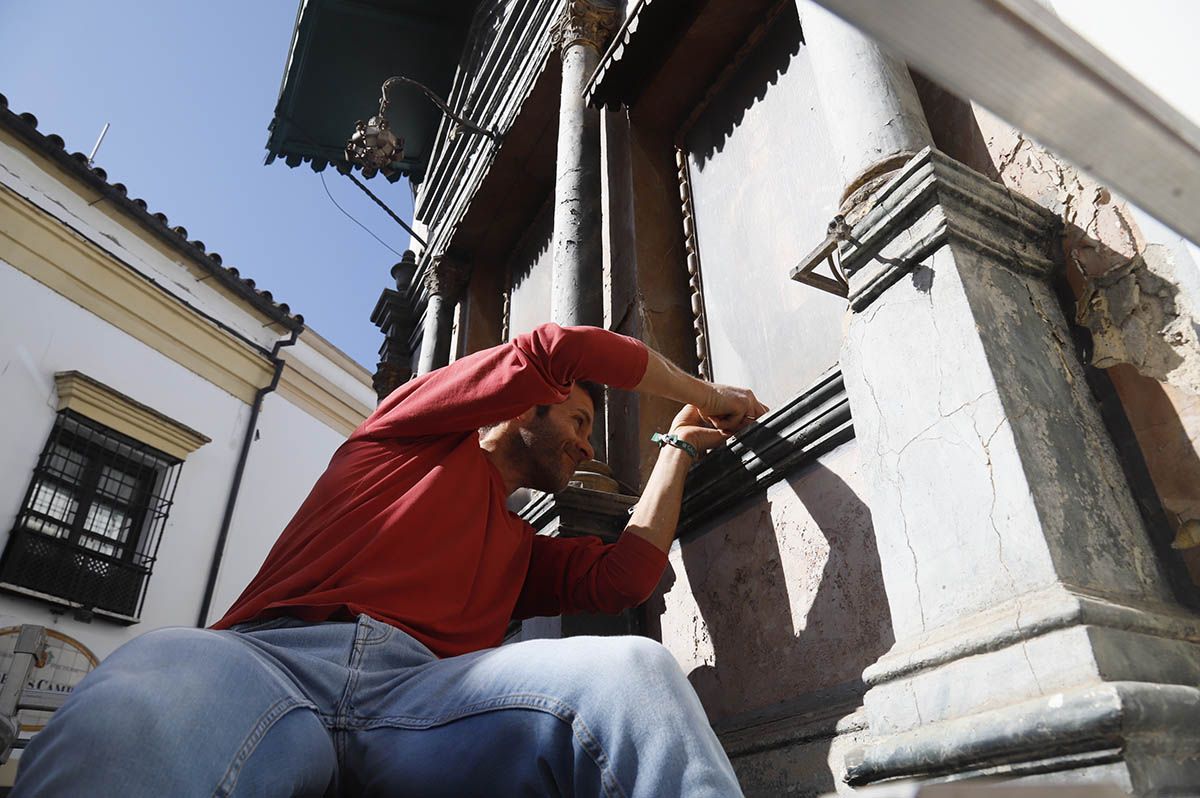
{"x": 390, "y": 212}
{"x": 311, "y": 142}
{"x": 351, "y": 218}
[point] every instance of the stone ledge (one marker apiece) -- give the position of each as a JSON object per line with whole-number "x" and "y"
{"x": 819, "y": 715}
{"x": 579, "y": 511}
{"x": 1024, "y": 618}
{"x": 1084, "y": 727}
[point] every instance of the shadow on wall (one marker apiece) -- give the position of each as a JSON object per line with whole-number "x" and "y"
{"x": 1107, "y": 288}
{"x": 762, "y": 68}
{"x": 789, "y": 592}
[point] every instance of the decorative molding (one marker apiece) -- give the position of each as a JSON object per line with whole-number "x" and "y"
{"x": 732, "y": 68}
{"x": 584, "y": 23}
{"x": 320, "y": 398}
{"x": 447, "y": 277}
{"x": 1088, "y": 726}
{"x": 516, "y": 56}
{"x": 1060, "y": 90}
{"x": 393, "y": 315}
{"x": 506, "y": 308}
{"x": 1026, "y": 617}
{"x": 47, "y": 250}
{"x": 692, "y": 253}
{"x": 629, "y": 60}
{"x": 935, "y": 200}
{"x": 811, "y": 424}
{"x": 579, "y": 511}
{"x": 83, "y": 395}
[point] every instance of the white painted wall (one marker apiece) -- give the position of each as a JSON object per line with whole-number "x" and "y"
{"x": 289, "y": 455}
{"x": 42, "y": 333}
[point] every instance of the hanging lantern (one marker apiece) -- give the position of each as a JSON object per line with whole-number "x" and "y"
{"x": 373, "y": 143}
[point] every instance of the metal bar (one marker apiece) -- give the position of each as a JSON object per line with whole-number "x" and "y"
{"x": 31, "y": 640}
{"x": 1018, "y": 60}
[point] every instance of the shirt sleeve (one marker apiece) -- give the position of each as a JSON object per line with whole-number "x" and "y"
{"x": 570, "y": 575}
{"x": 502, "y": 382}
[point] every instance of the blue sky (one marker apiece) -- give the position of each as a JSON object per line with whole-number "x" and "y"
{"x": 189, "y": 88}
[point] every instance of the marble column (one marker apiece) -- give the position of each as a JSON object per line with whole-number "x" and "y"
{"x": 871, "y": 107}
{"x": 577, "y": 284}
{"x": 445, "y": 280}
{"x": 393, "y": 317}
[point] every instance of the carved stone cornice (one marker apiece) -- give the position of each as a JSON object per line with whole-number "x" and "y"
{"x": 934, "y": 200}
{"x": 447, "y": 277}
{"x": 589, "y": 24}
{"x": 812, "y": 423}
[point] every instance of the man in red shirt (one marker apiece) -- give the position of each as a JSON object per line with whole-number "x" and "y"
{"x": 365, "y": 656}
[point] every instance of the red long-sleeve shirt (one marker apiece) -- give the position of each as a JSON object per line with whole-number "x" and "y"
{"x": 408, "y": 524}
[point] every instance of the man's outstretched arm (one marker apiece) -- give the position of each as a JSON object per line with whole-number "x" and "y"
{"x": 726, "y": 407}
{"x": 583, "y": 575}
{"x": 657, "y": 513}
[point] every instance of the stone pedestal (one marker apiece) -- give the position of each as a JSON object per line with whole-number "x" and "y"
{"x": 1035, "y": 633}
{"x": 393, "y": 316}
{"x": 574, "y": 512}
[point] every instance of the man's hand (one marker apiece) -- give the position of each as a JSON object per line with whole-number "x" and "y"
{"x": 690, "y": 426}
{"x": 730, "y": 408}
{"x": 726, "y": 407}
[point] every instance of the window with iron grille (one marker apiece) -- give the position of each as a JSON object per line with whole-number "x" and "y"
{"x": 92, "y": 520}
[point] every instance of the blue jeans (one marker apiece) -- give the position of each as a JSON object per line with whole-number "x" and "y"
{"x": 285, "y": 707}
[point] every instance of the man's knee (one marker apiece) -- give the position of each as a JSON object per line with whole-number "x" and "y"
{"x": 147, "y": 682}
{"x": 632, "y": 665}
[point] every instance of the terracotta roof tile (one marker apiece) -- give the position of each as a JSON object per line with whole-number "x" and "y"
{"x": 25, "y": 127}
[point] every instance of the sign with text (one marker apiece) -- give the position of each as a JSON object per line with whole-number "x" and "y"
{"x": 66, "y": 662}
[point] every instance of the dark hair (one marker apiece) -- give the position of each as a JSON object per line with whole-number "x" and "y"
{"x": 595, "y": 392}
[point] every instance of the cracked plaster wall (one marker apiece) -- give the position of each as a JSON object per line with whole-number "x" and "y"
{"x": 1134, "y": 288}
{"x": 779, "y": 599}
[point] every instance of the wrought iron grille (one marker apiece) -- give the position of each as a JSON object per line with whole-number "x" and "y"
{"x": 93, "y": 517}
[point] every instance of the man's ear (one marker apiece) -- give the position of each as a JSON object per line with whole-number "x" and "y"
{"x": 527, "y": 416}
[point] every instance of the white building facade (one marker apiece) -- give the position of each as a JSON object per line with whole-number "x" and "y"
{"x": 162, "y": 419}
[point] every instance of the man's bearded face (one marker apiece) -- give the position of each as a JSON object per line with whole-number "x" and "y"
{"x": 556, "y": 442}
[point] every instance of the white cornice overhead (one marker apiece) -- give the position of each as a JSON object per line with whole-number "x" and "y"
{"x": 1018, "y": 60}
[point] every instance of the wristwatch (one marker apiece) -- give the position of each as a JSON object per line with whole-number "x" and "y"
{"x": 671, "y": 439}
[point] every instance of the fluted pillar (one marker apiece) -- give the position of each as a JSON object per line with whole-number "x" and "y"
{"x": 444, "y": 281}
{"x": 577, "y": 286}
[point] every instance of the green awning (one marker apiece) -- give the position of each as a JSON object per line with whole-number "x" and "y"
{"x": 342, "y": 51}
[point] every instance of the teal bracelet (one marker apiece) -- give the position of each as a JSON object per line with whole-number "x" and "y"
{"x": 674, "y": 440}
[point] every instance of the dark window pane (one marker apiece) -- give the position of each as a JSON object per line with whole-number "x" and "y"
{"x": 92, "y": 519}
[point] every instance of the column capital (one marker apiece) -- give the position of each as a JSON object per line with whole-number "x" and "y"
{"x": 582, "y": 22}
{"x": 447, "y": 277}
